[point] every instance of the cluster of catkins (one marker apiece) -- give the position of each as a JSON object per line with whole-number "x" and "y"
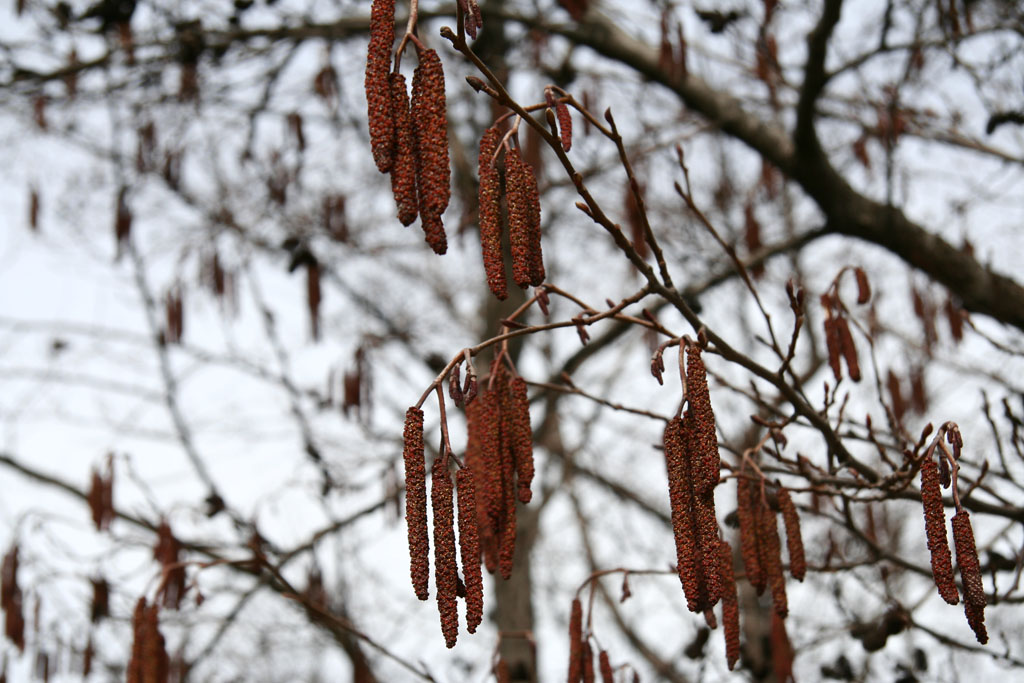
{"x": 581, "y": 655}
{"x": 703, "y": 559}
{"x": 409, "y": 139}
{"x": 498, "y": 470}
{"x": 523, "y": 201}
{"x": 933, "y": 479}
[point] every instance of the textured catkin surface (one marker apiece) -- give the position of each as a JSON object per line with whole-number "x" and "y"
{"x": 469, "y": 547}
{"x": 430, "y": 126}
{"x": 970, "y": 574}
{"x": 445, "y": 568}
{"x": 416, "y": 502}
{"x": 403, "y": 172}
{"x": 935, "y": 529}
{"x": 794, "y": 539}
{"x": 378, "y": 99}
{"x": 523, "y": 221}
{"x": 489, "y": 195}
{"x": 730, "y": 604}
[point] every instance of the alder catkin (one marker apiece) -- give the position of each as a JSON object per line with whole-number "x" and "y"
{"x": 605, "y": 666}
{"x": 490, "y": 214}
{"x": 730, "y": 604}
{"x": 935, "y": 529}
{"x": 576, "y": 642}
{"x": 445, "y": 569}
{"x": 523, "y": 220}
{"x": 863, "y": 288}
{"x": 416, "y": 502}
{"x": 433, "y": 230}
{"x": 794, "y": 540}
{"x": 564, "y": 125}
{"x": 706, "y": 469}
{"x": 403, "y": 170}
{"x": 747, "y": 498}
{"x": 771, "y": 558}
{"x": 847, "y": 348}
{"x": 483, "y": 456}
{"x": 378, "y": 98}
{"x": 588, "y": 663}
{"x": 521, "y": 437}
{"x": 430, "y": 125}
{"x": 680, "y": 491}
{"x": 970, "y": 574}
{"x": 469, "y": 546}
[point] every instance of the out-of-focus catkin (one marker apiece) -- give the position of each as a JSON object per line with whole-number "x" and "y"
{"x": 748, "y": 498}
{"x": 378, "y": 98}
{"x": 576, "y": 642}
{"x": 469, "y": 546}
{"x": 605, "y": 665}
{"x": 445, "y": 568}
{"x": 403, "y": 171}
{"x": 416, "y": 502}
{"x": 794, "y": 540}
{"x": 489, "y": 196}
{"x": 770, "y": 549}
{"x": 935, "y": 529}
{"x": 730, "y": 605}
{"x": 970, "y": 574}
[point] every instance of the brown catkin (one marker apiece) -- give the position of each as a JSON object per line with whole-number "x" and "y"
{"x": 445, "y": 570}
{"x": 588, "y": 663}
{"x": 935, "y": 529}
{"x": 680, "y": 493}
{"x": 433, "y": 230}
{"x": 430, "y": 124}
{"x": 706, "y": 469}
{"x": 863, "y": 288}
{"x": 378, "y": 99}
{"x": 523, "y": 220}
{"x": 501, "y": 672}
{"x": 730, "y": 604}
{"x": 970, "y": 574}
{"x": 149, "y": 662}
{"x": 848, "y": 349}
{"x": 770, "y": 549}
{"x": 747, "y": 498}
{"x": 483, "y": 456}
{"x": 416, "y": 502}
{"x": 521, "y": 437}
{"x": 576, "y": 642}
{"x": 564, "y": 125}
{"x": 469, "y": 546}
{"x": 403, "y": 171}
{"x": 834, "y": 344}
{"x": 605, "y": 666}
{"x": 490, "y": 214}
{"x": 794, "y": 540}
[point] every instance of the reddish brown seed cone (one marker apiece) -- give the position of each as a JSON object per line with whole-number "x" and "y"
{"x": 490, "y": 214}
{"x": 403, "y": 171}
{"x": 970, "y": 574}
{"x": 378, "y": 98}
{"x": 469, "y": 546}
{"x": 445, "y": 569}
{"x": 430, "y": 125}
{"x": 576, "y": 642}
{"x": 794, "y": 540}
{"x": 935, "y": 529}
{"x": 730, "y": 605}
{"x": 416, "y": 502}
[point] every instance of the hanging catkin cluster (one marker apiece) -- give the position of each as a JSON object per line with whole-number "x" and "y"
{"x": 838, "y": 339}
{"x": 692, "y": 460}
{"x": 409, "y": 138}
{"x": 759, "y": 542}
{"x": 499, "y": 451}
{"x": 442, "y": 499}
{"x": 523, "y": 201}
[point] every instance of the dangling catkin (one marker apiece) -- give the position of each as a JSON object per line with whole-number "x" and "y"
{"x": 680, "y": 493}
{"x": 416, "y": 502}
{"x": 748, "y": 497}
{"x": 521, "y": 437}
{"x": 445, "y": 569}
{"x": 588, "y": 663}
{"x": 935, "y": 529}
{"x": 378, "y": 98}
{"x": 576, "y": 642}
{"x": 848, "y": 349}
{"x": 430, "y": 125}
{"x": 523, "y": 220}
{"x": 706, "y": 469}
{"x": 607, "y": 675}
{"x": 490, "y": 214}
{"x": 469, "y": 545}
{"x": 794, "y": 541}
{"x": 970, "y": 574}
{"x": 770, "y": 549}
{"x": 403, "y": 171}
{"x": 730, "y": 605}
